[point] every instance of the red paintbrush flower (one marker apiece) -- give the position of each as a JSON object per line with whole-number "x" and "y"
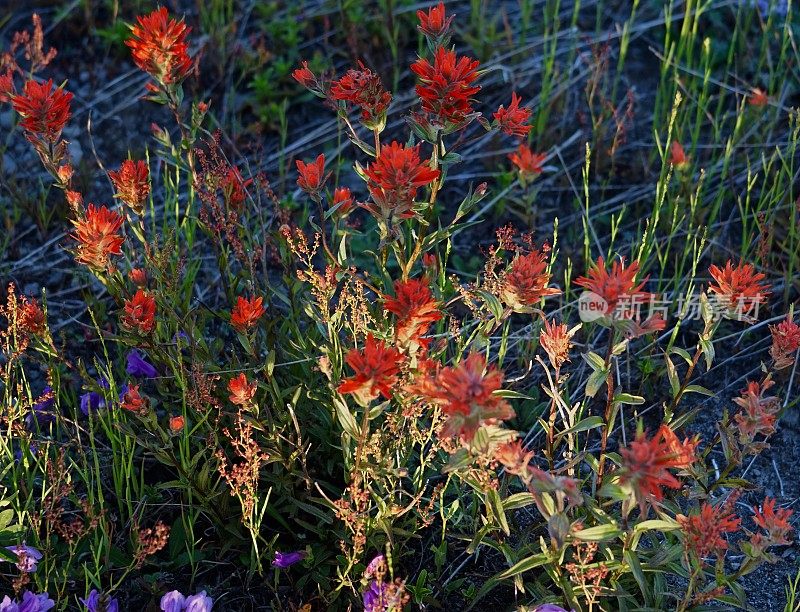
{"x": 304, "y": 76}
{"x": 678, "y": 157}
{"x": 785, "y": 341}
{"x": 556, "y": 340}
{"x": 96, "y": 233}
{"x": 343, "y": 200}
{"x": 312, "y": 175}
{"x": 44, "y": 110}
{"x": 139, "y": 277}
{"x": 176, "y": 424}
{"x": 758, "y": 97}
{"x": 30, "y": 317}
{"x": 133, "y": 401}
{"x": 446, "y": 87}
{"x": 158, "y": 45}
{"x": 513, "y": 456}
{"x": 140, "y": 312}
{"x": 759, "y": 411}
{"x": 415, "y": 309}
{"x": 395, "y": 176}
{"x": 775, "y": 523}
{"x": 434, "y": 23}
{"x": 247, "y": 312}
{"x": 738, "y": 290}
{"x": 234, "y": 187}
{"x": 618, "y": 288}
{"x": 704, "y": 532}
{"x": 241, "y": 390}
{"x": 132, "y": 183}
{"x": 514, "y": 120}
{"x": 524, "y": 284}
{"x": 376, "y": 370}
{"x": 646, "y": 464}
{"x": 466, "y": 394}
{"x": 364, "y": 89}
{"x": 528, "y": 162}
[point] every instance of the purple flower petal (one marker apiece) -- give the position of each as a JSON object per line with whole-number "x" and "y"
{"x": 199, "y": 603}
{"x": 174, "y": 601}
{"x": 137, "y": 366}
{"x": 284, "y": 560}
{"x": 28, "y": 557}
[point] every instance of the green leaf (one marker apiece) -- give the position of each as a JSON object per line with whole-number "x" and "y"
{"x": 496, "y": 505}
{"x": 595, "y": 382}
{"x": 346, "y": 418}
{"x": 518, "y": 500}
{"x": 583, "y": 425}
{"x": 672, "y": 374}
{"x": 598, "y": 533}
{"x": 528, "y": 563}
{"x": 627, "y": 398}
{"x": 699, "y": 389}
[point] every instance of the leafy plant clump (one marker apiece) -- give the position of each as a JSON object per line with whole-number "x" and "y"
{"x": 322, "y": 412}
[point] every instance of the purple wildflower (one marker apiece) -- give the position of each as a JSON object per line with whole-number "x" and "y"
{"x": 284, "y": 560}
{"x": 43, "y": 409}
{"x": 374, "y": 597}
{"x": 94, "y": 603}
{"x": 93, "y": 400}
{"x": 137, "y": 366}
{"x": 30, "y": 603}
{"x": 548, "y": 608}
{"x": 27, "y": 557}
{"x": 199, "y": 603}
{"x": 174, "y": 601}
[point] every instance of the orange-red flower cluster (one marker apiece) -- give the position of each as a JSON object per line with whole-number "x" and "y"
{"x": 528, "y": 163}
{"x": 97, "y": 235}
{"x": 133, "y": 401}
{"x": 758, "y": 97}
{"x": 395, "y": 177}
{"x": 775, "y": 524}
{"x": 140, "y": 312}
{"x": 677, "y": 156}
{"x": 376, "y": 368}
{"x": 447, "y": 86}
{"x": 759, "y": 411}
{"x": 304, "y": 76}
{"x": 466, "y": 394}
{"x": 646, "y": 464}
{"x": 132, "y": 183}
{"x": 785, "y": 342}
{"x": 241, "y": 390}
{"x": 158, "y": 45}
{"x": 738, "y": 290}
{"x": 435, "y": 22}
{"x": 514, "y": 120}
{"x": 247, "y": 312}
{"x": 704, "y": 532}
{"x": 415, "y": 309}
{"x": 524, "y": 284}
{"x": 513, "y": 456}
{"x": 617, "y": 288}
{"x": 364, "y": 89}
{"x": 44, "y": 110}
{"x": 556, "y": 340}
{"x": 343, "y": 201}
{"x": 312, "y": 175}
{"x": 234, "y": 186}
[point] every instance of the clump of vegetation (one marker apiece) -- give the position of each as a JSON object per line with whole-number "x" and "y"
{"x": 306, "y": 399}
